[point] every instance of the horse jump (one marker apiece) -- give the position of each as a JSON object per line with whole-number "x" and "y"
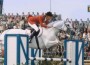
{"x": 17, "y": 51}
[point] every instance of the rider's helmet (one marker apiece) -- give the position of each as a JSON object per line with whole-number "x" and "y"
{"x": 48, "y": 15}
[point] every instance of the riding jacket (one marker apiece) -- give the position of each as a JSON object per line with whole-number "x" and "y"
{"x": 38, "y": 20}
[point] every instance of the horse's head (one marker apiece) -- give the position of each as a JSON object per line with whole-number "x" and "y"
{"x": 68, "y": 25}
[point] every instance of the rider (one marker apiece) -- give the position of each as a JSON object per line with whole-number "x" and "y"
{"x": 40, "y": 20}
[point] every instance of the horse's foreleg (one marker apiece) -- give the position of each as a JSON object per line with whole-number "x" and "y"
{"x": 53, "y": 42}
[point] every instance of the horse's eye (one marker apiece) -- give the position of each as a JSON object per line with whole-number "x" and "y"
{"x": 67, "y": 24}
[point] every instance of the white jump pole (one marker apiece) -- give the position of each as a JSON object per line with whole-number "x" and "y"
{"x": 50, "y": 59}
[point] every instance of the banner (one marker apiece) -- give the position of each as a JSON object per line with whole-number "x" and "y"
{"x": 1, "y": 6}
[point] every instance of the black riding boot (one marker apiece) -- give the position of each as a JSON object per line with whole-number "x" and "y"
{"x": 32, "y": 35}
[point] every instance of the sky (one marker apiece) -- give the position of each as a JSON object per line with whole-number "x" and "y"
{"x": 73, "y": 9}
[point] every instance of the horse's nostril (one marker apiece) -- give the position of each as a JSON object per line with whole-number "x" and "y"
{"x": 67, "y": 25}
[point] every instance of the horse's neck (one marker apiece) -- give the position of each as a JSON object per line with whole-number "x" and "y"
{"x": 55, "y": 30}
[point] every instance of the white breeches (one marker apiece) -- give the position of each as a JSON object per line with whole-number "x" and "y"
{"x": 34, "y": 26}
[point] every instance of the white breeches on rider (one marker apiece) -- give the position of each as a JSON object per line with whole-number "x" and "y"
{"x": 34, "y": 26}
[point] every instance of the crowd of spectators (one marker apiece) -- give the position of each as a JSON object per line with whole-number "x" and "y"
{"x": 81, "y": 32}
{"x": 11, "y": 21}
{"x": 17, "y": 21}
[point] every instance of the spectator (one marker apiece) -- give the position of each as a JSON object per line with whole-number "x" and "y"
{"x": 43, "y": 14}
{"x": 85, "y": 35}
{"x": 59, "y": 17}
{"x": 88, "y": 35}
{"x": 22, "y": 22}
{"x": 12, "y": 15}
{"x": 23, "y": 15}
{"x": 17, "y": 15}
{"x": 17, "y": 26}
{"x": 33, "y": 14}
{"x": 9, "y": 15}
{"x": 76, "y": 24}
{"x": 88, "y": 20}
{"x": 37, "y": 13}
{"x": 88, "y": 55}
{"x": 54, "y": 16}
{"x": 28, "y": 14}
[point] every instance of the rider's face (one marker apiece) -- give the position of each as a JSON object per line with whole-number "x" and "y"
{"x": 48, "y": 17}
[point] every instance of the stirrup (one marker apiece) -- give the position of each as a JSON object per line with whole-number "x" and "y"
{"x": 30, "y": 41}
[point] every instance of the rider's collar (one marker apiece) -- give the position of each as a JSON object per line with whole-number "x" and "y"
{"x": 44, "y": 18}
